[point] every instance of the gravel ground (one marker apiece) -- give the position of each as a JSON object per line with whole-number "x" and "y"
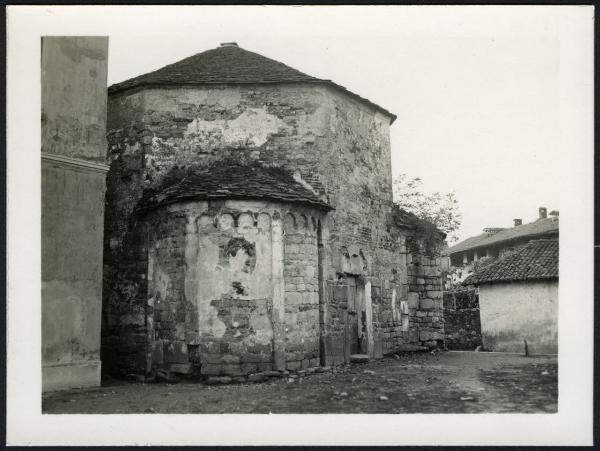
{"x": 446, "y": 382}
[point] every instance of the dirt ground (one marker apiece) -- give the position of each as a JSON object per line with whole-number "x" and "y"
{"x": 445, "y": 382}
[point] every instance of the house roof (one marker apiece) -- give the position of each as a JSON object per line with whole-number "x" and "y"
{"x": 538, "y": 260}
{"x": 538, "y": 228}
{"x": 230, "y": 64}
{"x": 229, "y": 180}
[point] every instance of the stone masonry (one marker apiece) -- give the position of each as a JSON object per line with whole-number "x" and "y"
{"x": 349, "y": 281}
{"x": 462, "y": 322}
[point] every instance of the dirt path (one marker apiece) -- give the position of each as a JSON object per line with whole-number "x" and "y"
{"x": 449, "y": 382}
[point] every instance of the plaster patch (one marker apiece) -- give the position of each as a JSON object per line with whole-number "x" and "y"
{"x": 263, "y": 332}
{"x": 251, "y": 128}
{"x": 160, "y": 279}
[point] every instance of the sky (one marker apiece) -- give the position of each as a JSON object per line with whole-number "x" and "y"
{"x": 475, "y": 89}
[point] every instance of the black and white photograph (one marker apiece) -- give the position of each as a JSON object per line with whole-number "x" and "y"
{"x": 281, "y": 220}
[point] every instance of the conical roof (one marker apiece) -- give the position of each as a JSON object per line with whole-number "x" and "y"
{"x": 229, "y": 179}
{"x": 229, "y": 64}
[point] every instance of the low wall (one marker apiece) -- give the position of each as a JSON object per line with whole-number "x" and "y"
{"x": 462, "y": 324}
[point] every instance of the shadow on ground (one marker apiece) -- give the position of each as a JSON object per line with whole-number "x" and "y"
{"x": 447, "y": 382}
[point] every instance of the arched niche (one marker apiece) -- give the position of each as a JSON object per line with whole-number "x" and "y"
{"x": 289, "y": 223}
{"x": 205, "y": 223}
{"x": 263, "y": 222}
{"x": 246, "y": 221}
{"x": 356, "y": 264}
{"x": 226, "y": 221}
{"x": 302, "y": 224}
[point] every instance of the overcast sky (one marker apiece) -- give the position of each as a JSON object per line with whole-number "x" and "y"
{"x": 475, "y": 89}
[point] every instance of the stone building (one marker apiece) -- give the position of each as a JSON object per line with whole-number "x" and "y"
{"x": 73, "y": 157}
{"x": 250, "y": 226}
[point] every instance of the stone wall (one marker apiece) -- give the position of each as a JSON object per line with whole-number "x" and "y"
{"x": 462, "y": 324}
{"x": 218, "y": 272}
{"x": 425, "y": 305}
{"x": 125, "y": 289}
{"x": 334, "y": 145}
{"x": 73, "y": 153}
{"x": 301, "y": 291}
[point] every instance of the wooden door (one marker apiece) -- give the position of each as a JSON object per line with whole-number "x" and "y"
{"x": 353, "y": 332}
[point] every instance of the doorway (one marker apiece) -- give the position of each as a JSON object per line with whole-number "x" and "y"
{"x": 355, "y": 340}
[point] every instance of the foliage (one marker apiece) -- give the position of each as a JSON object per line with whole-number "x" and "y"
{"x": 461, "y": 297}
{"x": 426, "y": 237}
{"x": 437, "y": 208}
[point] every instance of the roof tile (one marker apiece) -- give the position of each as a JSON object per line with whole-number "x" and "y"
{"x": 532, "y": 230}
{"x": 229, "y": 64}
{"x": 538, "y": 260}
{"x": 229, "y": 180}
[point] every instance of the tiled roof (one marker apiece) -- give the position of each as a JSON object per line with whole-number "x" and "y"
{"x": 538, "y": 228}
{"x": 229, "y": 64}
{"x": 229, "y": 180}
{"x": 538, "y": 260}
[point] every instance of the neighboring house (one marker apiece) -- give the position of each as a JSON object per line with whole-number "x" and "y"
{"x": 73, "y": 158}
{"x": 495, "y": 241}
{"x": 249, "y": 224}
{"x": 518, "y": 299}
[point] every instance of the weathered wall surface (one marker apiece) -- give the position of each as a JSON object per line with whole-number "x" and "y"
{"x": 513, "y": 312}
{"x": 425, "y": 304}
{"x": 462, "y": 323}
{"x": 301, "y": 280}
{"x": 218, "y": 274}
{"x": 335, "y": 145}
{"x": 74, "y": 96}
{"x": 73, "y": 185}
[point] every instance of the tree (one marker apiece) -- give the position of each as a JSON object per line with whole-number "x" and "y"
{"x": 440, "y": 209}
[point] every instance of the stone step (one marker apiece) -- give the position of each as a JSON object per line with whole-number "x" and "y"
{"x": 359, "y": 358}
{"x": 410, "y": 348}
{"x": 218, "y": 380}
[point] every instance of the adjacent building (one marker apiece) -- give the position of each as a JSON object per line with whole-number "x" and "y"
{"x": 496, "y": 241}
{"x": 518, "y": 299}
{"x": 73, "y": 160}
